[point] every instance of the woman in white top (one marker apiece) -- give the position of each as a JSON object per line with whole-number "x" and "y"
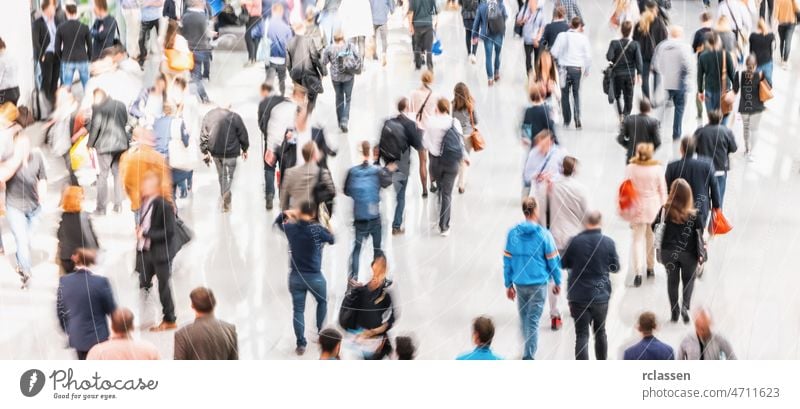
{"x": 9, "y": 85}
{"x": 422, "y": 103}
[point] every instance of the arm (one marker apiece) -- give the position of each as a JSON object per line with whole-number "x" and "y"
{"x": 385, "y": 177}
{"x": 284, "y": 191}
{"x": 279, "y": 221}
{"x": 57, "y": 44}
{"x": 552, "y": 259}
{"x": 656, "y": 133}
{"x": 567, "y": 261}
{"x": 234, "y": 356}
{"x": 138, "y": 103}
{"x": 325, "y": 235}
{"x": 613, "y": 257}
{"x": 736, "y": 83}
{"x": 61, "y": 309}
{"x": 508, "y": 270}
{"x": 610, "y": 54}
{"x": 87, "y": 38}
{"x": 731, "y": 142}
{"x": 662, "y": 190}
{"x": 184, "y": 135}
{"x": 241, "y": 133}
{"x": 165, "y": 231}
{"x": 204, "y": 134}
{"x": 347, "y": 191}
{"x": 715, "y": 196}
{"x": 109, "y": 305}
{"x": 701, "y": 72}
{"x": 476, "y": 25}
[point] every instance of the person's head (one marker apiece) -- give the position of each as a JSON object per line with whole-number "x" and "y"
{"x": 443, "y": 106}
{"x": 482, "y": 331}
{"x": 680, "y": 203}
{"x": 150, "y": 185}
{"x": 723, "y": 24}
{"x": 576, "y": 23}
{"x": 299, "y": 94}
{"x": 626, "y": 28}
{"x": 687, "y": 146}
{"x": 405, "y": 348}
{"x": 265, "y": 90}
{"x": 750, "y": 64}
{"x": 705, "y": 19}
{"x": 533, "y": 5}
{"x": 714, "y": 117}
{"x": 569, "y": 165}
{"x": 645, "y": 20}
{"x": 299, "y": 27}
{"x": 644, "y": 106}
{"x": 49, "y": 8}
{"x": 559, "y": 13}
{"x": 122, "y": 321}
{"x": 647, "y": 324}
{"x": 330, "y": 342}
{"x": 71, "y": 9}
{"x": 308, "y": 211}
{"x": 530, "y": 209}
{"x": 169, "y": 109}
{"x": 311, "y": 15}
{"x": 338, "y": 37}
{"x": 593, "y": 219}
{"x": 84, "y": 257}
{"x": 652, "y": 6}
{"x": 712, "y": 41}
{"x": 536, "y": 93}
{"x": 644, "y": 154}
{"x": 71, "y": 199}
{"x": 462, "y": 98}
{"x": 309, "y": 151}
{"x": 98, "y": 96}
{"x": 763, "y": 27}
{"x": 543, "y": 140}
{"x": 277, "y": 8}
{"x": 366, "y": 151}
{"x": 2, "y": 44}
{"x": 203, "y": 301}
{"x": 378, "y": 270}
{"x": 426, "y": 78}
{"x": 676, "y": 32}
{"x": 402, "y": 105}
{"x": 179, "y": 83}
{"x": 101, "y": 7}
{"x": 702, "y": 324}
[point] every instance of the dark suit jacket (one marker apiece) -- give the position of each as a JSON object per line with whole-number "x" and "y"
{"x": 107, "y": 127}
{"x": 74, "y": 233}
{"x": 207, "y": 338}
{"x": 83, "y": 302}
{"x": 162, "y": 229}
{"x": 41, "y": 36}
{"x": 699, "y": 173}
{"x": 638, "y": 129}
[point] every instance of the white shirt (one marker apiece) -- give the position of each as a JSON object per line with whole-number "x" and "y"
{"x": 280, "y": 118}
{"x": 435, "y": 127}
{"x": 572, "y": 49}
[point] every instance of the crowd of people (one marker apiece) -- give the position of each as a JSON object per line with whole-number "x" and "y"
{"x": 148, "y": 141}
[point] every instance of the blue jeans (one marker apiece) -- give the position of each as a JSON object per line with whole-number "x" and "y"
{"x": 202, "y": 63}
{"x": 299, "y": 284}
{"x": 68, "y": 72}
{"x": 365, "y": 228}
{"x": 530, "y": 301}
{"x": 679, "y": 98}
{"x": 400, "y": 187}
{"x": 492, "y": 42}
{"x": 712, "y": 101}
{"x": 20, "y": 223}
{"x": 343, "y": 90}
{"x": 766, "y": 68}
{"x": 721, "y": 182}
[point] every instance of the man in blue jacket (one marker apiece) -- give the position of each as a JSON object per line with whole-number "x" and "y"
{"x": 489, "y": 24}
{"x": 649, "y": 348}
{"x": 482, "y": 335}
{"x": 589, "y": 257}
{"x": 363, "y": 184}
{"x": 381, "y": 9}
{"x": 530, "y": 260}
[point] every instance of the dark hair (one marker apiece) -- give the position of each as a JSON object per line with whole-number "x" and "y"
{"x": 529, "y": 206}
{"x": 71, "y": 9}
{"x": 688, "y": 146}
{"x": 2, "y": 44}
{"x": 365, "y": 147}
{"x": 329, "y": 339}
{"x": 543, "y": 134}
{"x": 559, "y": 12}
{"x": 308, "y": 150}
{"x": 483, "y": 327}
{"x": 712, "y": 39}
{"x": 576, "y": 23}
{"x": 443, "y": 105}
{"x": 84, "y": 257}
{"x": 536, "y": 93}
{"x": 402, "y": 104}
{"x": 266, "y": 87}
{"x": 122, "y": 321}
{"x": 203, "y": 300}
{"x": 180, "y": 82}
{"x": 308, "y": 209}
{"x": 568, "y": 165}
{"x": 626, "y": 28}
{"x": 405, "y": 348}
{"x": 644, "y": 105}
{"x": 101, "y": 4}
{"x": 705, "y": 17}
{"x": 593, "y": 218}
{"x": 647, "y": 322}
{"x": 462, "y": 99}
{"x": 46, "y": 3}
{"x": 715, "y": 117}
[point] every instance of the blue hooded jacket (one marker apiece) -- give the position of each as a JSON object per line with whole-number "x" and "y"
{"x": 363, "y": 184}
{"x": 530, "y": 257}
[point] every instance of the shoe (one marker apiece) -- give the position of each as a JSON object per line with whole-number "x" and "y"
{"x": 555, "y": 323}
{"x": 491, "y": 82}
{"x": 685, "y": 316}
{"x": 118, "y": 208}
{"x": 99, "y": 212}
{"x": 300, "y": 350}
{"x": 343, "y": 128}
{"x": 444, "y": 233}
{"x": 434, "y": 188}
{"x": 650, "y": 273}
{"x": 637, "y": 282}
{"x": 383, "y": 61}
{"x": 269, "y": 205}
{"x": 472, "y": 59}
{"x": 425, "y": 194}
{"x": 578, "y": 125}
{"x": 461, "y": 190}
{"x": 164, "y": 326}
{"x": 398, "y": 231}
{"x": 24, "y": 277}
{"x": 497, "y": 77}
{"x": 387, "y": 282}
{"x": 674, "y": 317}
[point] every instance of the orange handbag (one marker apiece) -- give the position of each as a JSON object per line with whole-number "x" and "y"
{"x": 627, "y": 196}
{"x": 719, "y": 224}
{"x": 179, "y": 60}
{"x": 478, "y": 143}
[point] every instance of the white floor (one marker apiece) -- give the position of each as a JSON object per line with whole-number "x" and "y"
{"x": 752, "y": 283}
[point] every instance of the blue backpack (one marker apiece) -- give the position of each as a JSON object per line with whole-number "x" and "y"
{"x": 452, "y": 147}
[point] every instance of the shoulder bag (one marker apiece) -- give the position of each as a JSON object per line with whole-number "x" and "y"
{"x": 727, "y": 97}
{"x": 658, "y": 233}
{"x": 422, "y": 108}
{"x": 764, "y": 89}
{"x": 519, "y": 22}
{"x": 608, "y": 80}
{"x": 478, "y": 143}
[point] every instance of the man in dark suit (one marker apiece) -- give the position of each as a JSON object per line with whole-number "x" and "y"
{"x": 83, "y": 302}
{"x": 699, "y": 173}
{"x": 207, "y": 337}
{"x": 639, "y": 128}
{"x": 649, "y": 348}
{"x": 44, "y": 35}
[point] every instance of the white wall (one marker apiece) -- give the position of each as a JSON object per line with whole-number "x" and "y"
{"x": 15, "y": 28}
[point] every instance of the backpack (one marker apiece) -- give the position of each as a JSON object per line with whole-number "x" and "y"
{"x": 452, "y": 147}
{"x": 348, "y": 314}
{"x": 349, "y": 61}
{"x": 496, "y": 21}
{"x": 323, "y": 193}
{"x": 393, "y": 142}
{"x": 469, "y": 5}
{"x": 287, "y": 156}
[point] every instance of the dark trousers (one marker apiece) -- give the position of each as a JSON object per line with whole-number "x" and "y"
{"x": 585, "y": 315}
{"x": 681, "y": 267}
{"x": 250, "y": 42}
{"x": 573, "y": 81}
{"x": 82, "y": 355}
{"x": 269, "y": 182}
{"x": 365, "y": 228}
{"x": 445, "y": 175}
{"x": 344, "y": 91}
{"x": 311, "y": 98}
{"x": 767, "y": 15}
{"x": 423, "y": 43}
{"x": 147, "y": 268}
{"x": 299, "y": 286}
{"x": 226, "y": 168}
{"x": 51, "y": 72}
{"x": 144, "y": 36}
{"x": 278, "y": 70}
{"x": 400, "y": 189}
{"x": 471, "y": 48}
{"x": 785, "y": 32}
{"x": 623, "y": 90}
{"x": 202, "y": 61}
{"x": 678, "y": 98}
{"x": 646, "y": 64}
{"x": 531, "y": 56}
{"x": 179, "y": 177}
{"x": 722, "y": 182}
{"x": 9, "y": 95}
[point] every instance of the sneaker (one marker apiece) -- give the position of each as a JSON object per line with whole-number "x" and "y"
{"x": 117, "y": 208}
{"x": 444, "y": 233}
{"x": 434, "y": 188}
{"x": 424, "y": 194}
{"x": 674, "y": 317}
{"x": 685, "y": 316}
{"x": 496, "y": 77}
{"x": 491, "y": 82}
{"x": 637, "y": 282}
{"x": 555, "y": 323}
{"x": 269, "y": 205}
{"x": 650, "y": 273}
{"x": 461, "y": 190}
{"x": 300, "y": 350}
{"x": 164, "y": 326}
{"x": 472, "y": 59}
{"x": 578, "y": 125}
{"x": 343, "y": 128}
{"x": 398, "y": 231}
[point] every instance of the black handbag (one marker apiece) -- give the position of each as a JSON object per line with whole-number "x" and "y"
{"x": 322, "y": 193}
{"x": 180, "y": 237}
{"x": 519, "y": 23}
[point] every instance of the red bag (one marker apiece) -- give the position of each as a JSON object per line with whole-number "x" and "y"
{"x": 627, "y": 196}
{"x": 719, "y": 224}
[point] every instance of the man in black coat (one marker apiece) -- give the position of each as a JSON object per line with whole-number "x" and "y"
{"x": 223, "y": 137}
{"x": 699, "y": 173}
{"x": 639, "y": 128}
{"x": 44, "y": 36}
{"x": 716, "y": 142}
{"x": 153, "y": 256}
{"x": 107, "y": 135}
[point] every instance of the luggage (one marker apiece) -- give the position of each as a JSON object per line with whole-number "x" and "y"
{"x": 40, "y": 106}
{"x": 349, "y": 61}
{"x": 349, "y": 310}
{"x": 180, "y": 156}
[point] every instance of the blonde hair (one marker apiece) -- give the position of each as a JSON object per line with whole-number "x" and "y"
{"x": 723, "y": 24}
{"x": 647, "y": 18}
{"x": 71, "y": 199}
{"x": 644, "y": 155}
{"x": 426, "y": 77}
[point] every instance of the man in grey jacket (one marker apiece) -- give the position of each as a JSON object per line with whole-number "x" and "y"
{"x": 194, "y": 27}
{"x": 297, "y": 185}
{"x": 673, "y": 60}
{"x": 207, "y": 337}
{"x": 704, "y": 344}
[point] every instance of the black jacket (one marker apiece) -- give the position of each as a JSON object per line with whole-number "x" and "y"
{"x": 107, "y": 127}
{"x": 650, "y": 39}
{"x": 223, "y": 134}
{"x": 699, "y": 173}
{"x": 73, "y": 42}
{"x": 590, "y": 257}
{"x": 104, "y": 32}
{"x": 536, "y": 119}
{"x": 41, "y": 36}
{"x": 638, "y": 129}
{"x": 626, "y": 65}
{"x": 75, "y": 231}
{"x": 715, "y": 142}
{"x": 680, "y": 237}
{"x": 750, "y": 85}
{"x": 162, "y": 229}
{"x": 709, "y": 70}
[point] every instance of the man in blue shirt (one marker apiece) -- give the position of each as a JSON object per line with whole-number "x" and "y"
{"x": 482, "y": 335}
{"x": 530, "y": 260}
{"x": 649, "y": 348}
{"x": 279, "y": 34}
{"x": 306, "y": 240}
{"x": 151, "y": 18}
